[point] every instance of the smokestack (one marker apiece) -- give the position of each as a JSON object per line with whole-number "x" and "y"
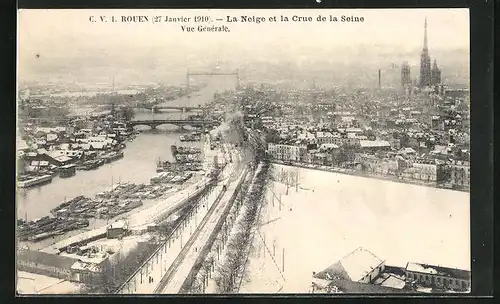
{"x": 379, "y": 78}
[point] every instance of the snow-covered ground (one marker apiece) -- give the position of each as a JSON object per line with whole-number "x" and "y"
{"x": 175, "y": 246}
{"x": 187, "y": 264}
{"x": 330, "y": 214}
{"x": 211, "y": 287}
{"x": 30, "y": 283}
{"x": 180, "y": 239}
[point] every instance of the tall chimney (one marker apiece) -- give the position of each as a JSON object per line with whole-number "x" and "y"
{"x": 379, "y": 78}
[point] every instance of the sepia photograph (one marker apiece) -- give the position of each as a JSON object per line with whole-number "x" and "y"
{"x": 217, "y": 151}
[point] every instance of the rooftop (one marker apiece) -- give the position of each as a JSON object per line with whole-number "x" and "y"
{"x": 118, "y": 224}
{"x": 438, "y": 270}
{"x": 390, "y": 280}
{"x": 79, "y": 265}
{"x": 354, "y": 266}
{"x": 47, "y": 259}
{"x": 81, "y": 237}
{"x": 374, "y": 143}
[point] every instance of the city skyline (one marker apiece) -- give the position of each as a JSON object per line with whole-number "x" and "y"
{"x": 391, "y": 36}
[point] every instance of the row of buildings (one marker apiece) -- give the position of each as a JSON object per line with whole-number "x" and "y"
{"x": 425, "y": 139}
{"x": 85, "y": 258}
{"x": 44, "y": 148}
{"x": 363, "y": 272}
{"x": 378, "y": 158}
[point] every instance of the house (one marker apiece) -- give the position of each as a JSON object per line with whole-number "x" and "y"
{"x": 21, "y": 144}
{"x": 437, "y": 276}
{"x": 286, "y": 152}
{"x": 43, "y": 263}
{"x": 359, "y": 266}
{"x": 374, "y": 145}
{"x": 407, "y": 151}
{"x": 460, "y": 174}
{"x": 327, "y": 137}
{"x": 328, "y": 147}
{"x": 427, "y": 170}
{"x": 86, "y": 272}
{"x": 116, "y": 229}
{"x": 52, "y": 137}
{"x": 37, "y": 165}
{"x": 53, "y": 158}
{"x": 66, "y": 150}
{"x": 59, "y": 157}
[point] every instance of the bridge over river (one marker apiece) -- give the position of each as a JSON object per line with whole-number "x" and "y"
{"x": 168, "y": 108}
{"x": 153, "y": 123}
{"x": 172, "y": 112}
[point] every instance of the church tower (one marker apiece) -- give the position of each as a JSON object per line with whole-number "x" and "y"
{"x": 435, "y": 74}
{"x": 425, "y": 62}
{"x": 405, "y": 75}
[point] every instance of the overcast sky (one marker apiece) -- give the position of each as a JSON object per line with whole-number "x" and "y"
{"x": 68, "y": 34}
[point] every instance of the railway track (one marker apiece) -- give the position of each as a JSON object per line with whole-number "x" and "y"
{"x": 213, "y": 234}
{"x": 180, "y": 258}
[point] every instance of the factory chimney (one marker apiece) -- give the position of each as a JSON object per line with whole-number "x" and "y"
{"x": 379, "y": 86}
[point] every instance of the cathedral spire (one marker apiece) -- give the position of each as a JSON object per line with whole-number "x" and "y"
{"x": 425, "y": 62}
{"x": 425, "y": 34}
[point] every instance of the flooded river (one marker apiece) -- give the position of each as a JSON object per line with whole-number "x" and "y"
{"x": 138, "y": 164}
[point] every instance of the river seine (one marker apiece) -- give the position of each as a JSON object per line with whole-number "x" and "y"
{"x": 138, "y": 164}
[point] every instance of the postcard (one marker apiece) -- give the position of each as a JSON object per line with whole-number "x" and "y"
{"x": 213, "y": 151}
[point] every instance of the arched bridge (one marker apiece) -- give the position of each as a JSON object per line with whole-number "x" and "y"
{"x": 177, "y": 122}
{"x": 169, "y": 108}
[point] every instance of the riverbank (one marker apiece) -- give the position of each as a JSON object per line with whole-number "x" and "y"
{"x": 137, "y": 166}
{"x": 367, "y": 175}
{"x": 96, "y": 223}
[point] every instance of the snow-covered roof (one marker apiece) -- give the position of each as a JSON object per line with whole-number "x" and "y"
{"x": 41, "y": 151}
{"x": 359, "y": 263}
{"x": 354, "y": 130}
{"x": 118, "y": 225}
{"x": 392, "y": 281}
{"x": 21, "y": 144}
{"x": 408, "y": 150}
{"x": 79, "y": 265}
{"x": 62, "y": 158}
{"x": 40, "y": 163}
{"x": 374, "y": 143}
{"x": 438, "y": 270}
{"x": 320, "y": 283}
{"x": 44, "y": 130}
{"x": 97, "y": 145}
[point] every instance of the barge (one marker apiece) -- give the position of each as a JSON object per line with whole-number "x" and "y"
{"x": 91, "y": 164}
{"x": 195, "y": 136}
{"x": 34, "y": 181}
{"x": 67, "y": 171}
{"x": 112, "y": 156}
{"x": 184, "y": 150}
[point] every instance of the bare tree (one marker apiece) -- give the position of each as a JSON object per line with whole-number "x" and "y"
{"x": 233, "y": 267}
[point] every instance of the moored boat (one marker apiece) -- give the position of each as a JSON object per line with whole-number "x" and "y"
{"x": 112, "y": 156}
{"x": 67, "y": 171}
{"x": 35, "y": 181}
{"x": 194, "y": 136}
{"x": 90, "y": 164}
